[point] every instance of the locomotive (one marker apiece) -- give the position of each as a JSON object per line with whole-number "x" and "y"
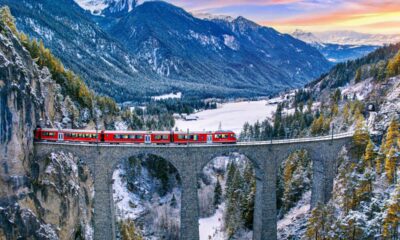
{"x": 134, "y": 137}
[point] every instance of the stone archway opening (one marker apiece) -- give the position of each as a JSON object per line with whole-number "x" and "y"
{"x": 227, "y": 188}
{"x": 146, "y": 196}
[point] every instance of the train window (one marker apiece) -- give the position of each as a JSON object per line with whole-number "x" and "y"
{"x": 195, "y": 137}
{"x": 165, "y": 137}
{"x": 139, "y": 137}
{"x": 125, "y": 136}
{"x": 158, "y": 137}
{"x": 131, "y": 136}
{"x": 181, "y": 136}
{"x": 116, "y": 136}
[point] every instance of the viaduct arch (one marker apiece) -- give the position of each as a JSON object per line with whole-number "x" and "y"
{"x": 189, "y": 160}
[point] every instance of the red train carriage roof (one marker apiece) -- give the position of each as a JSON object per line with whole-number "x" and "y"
{"x": 136, "y": 132}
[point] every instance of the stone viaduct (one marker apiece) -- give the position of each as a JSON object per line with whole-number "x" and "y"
{"x": 189, "y": 160}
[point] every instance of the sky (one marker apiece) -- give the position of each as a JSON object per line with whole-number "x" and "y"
{"x": 368, "y": 16}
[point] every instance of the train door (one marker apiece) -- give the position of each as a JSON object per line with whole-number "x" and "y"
{"x": 209, "y": 139}
{"x": 60, "y": 136}
{"x": 147, "y": 139}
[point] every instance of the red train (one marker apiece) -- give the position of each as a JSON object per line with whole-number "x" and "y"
{"x": 134, "y": 137}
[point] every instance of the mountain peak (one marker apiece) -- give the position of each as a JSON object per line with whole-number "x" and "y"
{"x": 107, "y": 7}
{"x": 307, "y": 37}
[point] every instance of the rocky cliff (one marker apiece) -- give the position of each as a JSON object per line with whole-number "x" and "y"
{"x": 39, "y": 198}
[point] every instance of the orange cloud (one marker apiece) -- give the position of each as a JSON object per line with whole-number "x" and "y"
{"x": 363, "y": 16}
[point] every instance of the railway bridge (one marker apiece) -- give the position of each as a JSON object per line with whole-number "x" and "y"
{"x": 190, "y": 160}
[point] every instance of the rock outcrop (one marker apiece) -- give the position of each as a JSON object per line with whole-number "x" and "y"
{"x": 39, "y": 198}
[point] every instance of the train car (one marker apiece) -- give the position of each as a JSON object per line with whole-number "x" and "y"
{"x": 124, "y": 137}
{"x": 224, "y": 137}
{"x": 72, "y": 135}
{"x": 192, "y": 137}
{"x": 160, "y": 137}
{"x": 204, "y": 137}
{"x": 46, "y": 134}
{"x": 157, "y": 137}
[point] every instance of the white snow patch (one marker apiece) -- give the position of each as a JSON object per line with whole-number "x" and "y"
{"x": 177, "y": 95}
{"x": 127, "y": 203}
{"x": 94, "y": 6}
{"x": 231, "y": 42}
{"x": 213, "y": 226}
{"x": 299, "y": 211}
{"x": 231, "y": 116}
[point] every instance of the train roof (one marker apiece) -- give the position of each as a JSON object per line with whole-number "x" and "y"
{"x": 134, "y": 132}
{"x": 71, "y": 130}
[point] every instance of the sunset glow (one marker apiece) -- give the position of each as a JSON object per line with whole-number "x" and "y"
{"x": 369, "y": 16}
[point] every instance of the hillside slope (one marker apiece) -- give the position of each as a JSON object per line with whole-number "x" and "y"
{"x": 157, "y": 48}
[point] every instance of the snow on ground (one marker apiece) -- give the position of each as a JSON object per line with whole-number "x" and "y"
{"x": 301, "y": 208}
{"x": 213, "y": 226}
{"x": 294, "y": 222}
{"x": 232, "y": 116}
{"x": 177, "y": 95}
{"x": 127, "y": 203}
{"x": 361, "y": 89}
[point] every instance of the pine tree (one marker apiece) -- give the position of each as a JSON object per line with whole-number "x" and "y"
{"x": 370, "y": 154}
{"x": 391, "y": 162}
{"x": 128, "y": 231}
{"x": 173, "y": 201}
{"x": 318, "y": 125}
{"x": 358, "y": 75}
{"x": 392, "y": 136}
{"x": 7, "y": 18}
{"x": 360, "y": 138}
{"x": 317, "y": 227}
{"x": 392, "y": 217}
{"x": 229, "y": 178}
{"x": 217, "y": 194}
{"x": 393, "y": 67}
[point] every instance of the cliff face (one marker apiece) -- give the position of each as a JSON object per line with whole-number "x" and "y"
{"x": 39, "y": 198}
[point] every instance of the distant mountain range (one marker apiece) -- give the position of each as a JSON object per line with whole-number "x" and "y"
{"x": 133, "y": 52}
{"x": 342, "y": 50}
{"x": 356, "y": 38}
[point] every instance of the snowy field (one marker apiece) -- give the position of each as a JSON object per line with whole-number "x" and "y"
{"x": 212, "y": 226}
{"x": 232, "y": 116}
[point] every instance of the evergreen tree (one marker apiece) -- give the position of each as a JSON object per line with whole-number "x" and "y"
{"x": 370, "y": 154}
{"x": 360, "y": 138}
{"x": 7, "y": 18}
{"x": 392, "y": 217}
{"x": 318, "y": 125}
{"x": 229, "y": 179}
{"x": 217, "y": 194}
{"x": 393, "y": 67}
{"x": 392, "y": 136}
{"x": 317, "y": 227}
{"x": 174, "y": 203}
{"x": 391, "y": 162}
{"x": 128, "y": 231}
{"x": 358, "y": 75}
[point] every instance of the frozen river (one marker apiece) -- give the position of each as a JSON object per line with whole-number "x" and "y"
{"x": 232, "y": 116}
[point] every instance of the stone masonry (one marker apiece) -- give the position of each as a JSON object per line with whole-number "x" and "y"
{"x": 190, "y": 160}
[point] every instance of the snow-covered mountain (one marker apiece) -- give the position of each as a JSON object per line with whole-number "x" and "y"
{"x": 106, "y": 7}
{"x": 131, "y": 53}
{"x": 332, "y": 51}
{"x": 356, "y": 38}
{"x": 307, "y": 37}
